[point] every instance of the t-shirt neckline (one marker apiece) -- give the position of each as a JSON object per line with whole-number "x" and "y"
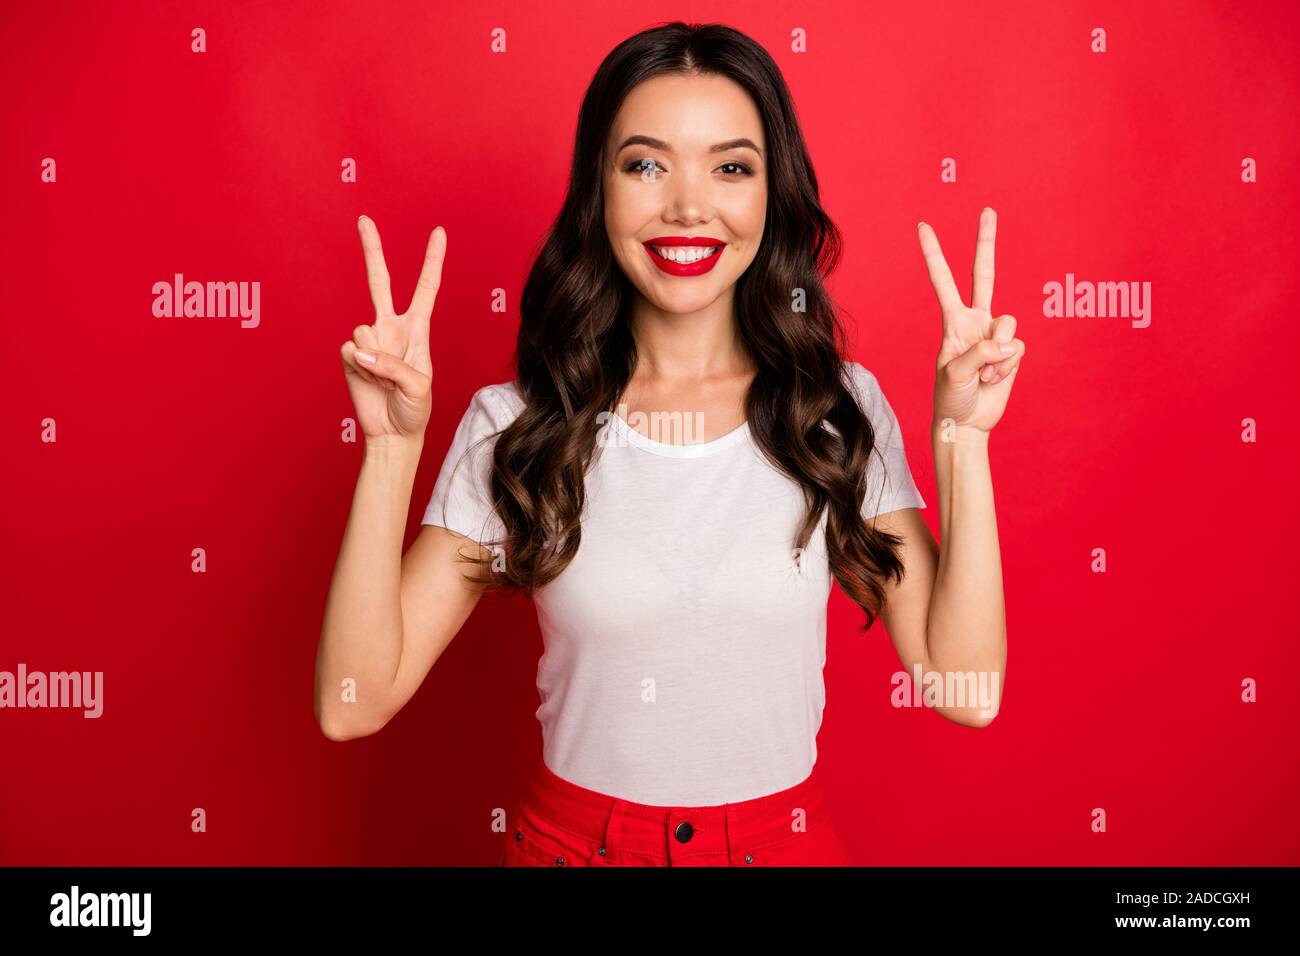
{"x": 692, "y": 450}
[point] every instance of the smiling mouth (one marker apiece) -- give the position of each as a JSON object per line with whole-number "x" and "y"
{"x": 684, "y": 255}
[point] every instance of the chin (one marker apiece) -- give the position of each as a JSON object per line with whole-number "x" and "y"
{"x": 682, "y": 304}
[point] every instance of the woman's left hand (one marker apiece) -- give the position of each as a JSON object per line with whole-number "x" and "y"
{"x": 974, "y": 375}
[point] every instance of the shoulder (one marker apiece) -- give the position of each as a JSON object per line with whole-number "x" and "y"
{"x": 871, "y": 399}
{"x": 494, "y": 407}
{"x": 863, "y": 384}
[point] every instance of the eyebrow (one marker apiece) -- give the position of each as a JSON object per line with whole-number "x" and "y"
{"x": 639, "y": 140}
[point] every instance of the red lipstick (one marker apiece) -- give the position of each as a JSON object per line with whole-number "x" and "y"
{"x": 674, "y": 268}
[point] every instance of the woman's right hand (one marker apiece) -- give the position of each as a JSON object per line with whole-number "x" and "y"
{"x": 392, "y": 394}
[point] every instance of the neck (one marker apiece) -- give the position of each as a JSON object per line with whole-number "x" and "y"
{"x": 688, "y": 346}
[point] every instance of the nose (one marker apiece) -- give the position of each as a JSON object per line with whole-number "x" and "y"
{"x": 688, "y": 200}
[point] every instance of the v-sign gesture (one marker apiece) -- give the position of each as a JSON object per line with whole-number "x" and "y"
{"x": 978, "y": 355}
{"x": 391, "y": 393}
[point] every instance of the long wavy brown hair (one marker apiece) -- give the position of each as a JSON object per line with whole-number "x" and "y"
{"x": 575, "y": 353}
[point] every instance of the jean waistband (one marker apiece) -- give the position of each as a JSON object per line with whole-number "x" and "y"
{"x": 676, "y": 832}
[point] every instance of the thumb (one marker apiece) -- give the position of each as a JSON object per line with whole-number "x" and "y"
{"x": 984, "y": 352}
{"x": 411, "y": 382}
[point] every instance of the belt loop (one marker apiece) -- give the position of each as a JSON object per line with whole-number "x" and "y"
{"x": 731, "y": 832}
{"x": 612, "y": 828}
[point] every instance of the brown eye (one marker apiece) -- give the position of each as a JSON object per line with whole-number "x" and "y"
{"x": 743, "y": 170}
{"x": 642, "y": 166}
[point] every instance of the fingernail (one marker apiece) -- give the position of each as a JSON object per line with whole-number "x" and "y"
{"x": 366, "y": 357}
{"x": 1006, "y": 348}
{"x": 920, "y": 224}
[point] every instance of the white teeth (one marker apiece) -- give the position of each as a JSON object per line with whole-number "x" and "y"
{"x": 685, "y": 254}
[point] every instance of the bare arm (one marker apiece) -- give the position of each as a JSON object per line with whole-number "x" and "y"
{"x": 949, "y": 614}
{"x": 946, "y": 617}
{"x": 436, "y": 603}
{"x": 388, "y": 616}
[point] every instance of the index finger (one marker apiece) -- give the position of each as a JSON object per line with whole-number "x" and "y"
{"x": 381, "y": 291}
{"x": 940, "y": 274}
{"x": 426, "y": 287}
{"x": 981, "y": 290}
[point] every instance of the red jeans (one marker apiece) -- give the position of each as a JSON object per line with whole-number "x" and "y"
{"x": 559, "y": 823}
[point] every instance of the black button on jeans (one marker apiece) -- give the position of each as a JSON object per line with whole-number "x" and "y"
{"x": 684, "y": 832}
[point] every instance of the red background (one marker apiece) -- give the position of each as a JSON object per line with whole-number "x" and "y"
{"x": 1123, "y": 689}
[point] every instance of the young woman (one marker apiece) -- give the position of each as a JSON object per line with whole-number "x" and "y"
{"x": 681, "y": 580}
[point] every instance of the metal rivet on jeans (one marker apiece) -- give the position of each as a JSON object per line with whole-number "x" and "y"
{"x": 601, "y": 851}
{"x": 559, "y": 861}
{"x": 518, "y": 835}
{"x": 749, "y": 858}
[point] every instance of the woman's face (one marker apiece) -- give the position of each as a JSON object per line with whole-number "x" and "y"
{"x": 693, "y": 177}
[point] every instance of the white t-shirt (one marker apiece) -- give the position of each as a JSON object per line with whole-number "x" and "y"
{"x": 684, "y": 644}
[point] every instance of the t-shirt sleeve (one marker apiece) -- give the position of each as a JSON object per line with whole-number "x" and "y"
{"x": 462, "y": 497}
{"x": 890, "y": 485}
